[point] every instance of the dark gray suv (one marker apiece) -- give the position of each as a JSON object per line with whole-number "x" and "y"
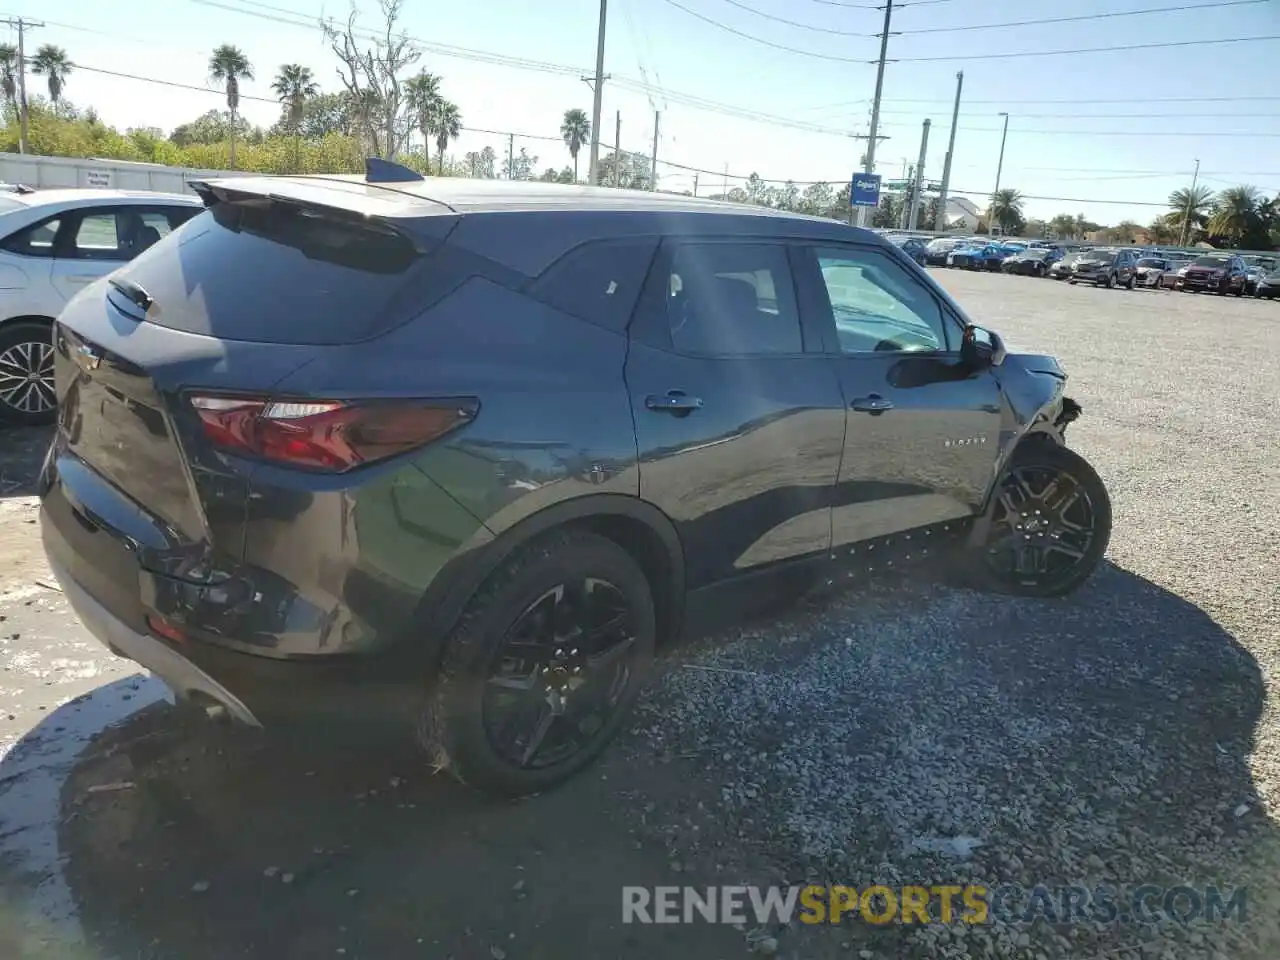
{"x": 459, "y": 455}
{"x": 1106, "y": 267}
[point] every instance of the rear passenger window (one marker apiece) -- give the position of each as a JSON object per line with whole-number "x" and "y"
{"x": 599, "y": 281}
{"x": 36, "y": 240}
{"x": 732, "y": 299}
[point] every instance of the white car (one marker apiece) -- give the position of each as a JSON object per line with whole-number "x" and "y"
{"x": 53, "y": 243}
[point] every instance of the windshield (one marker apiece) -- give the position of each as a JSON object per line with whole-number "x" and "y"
{"x": 1151, "y": 262}
{"x": 1210, "y": 262}
{"x": 1101, "y": 254}
{"x": 1037, "y": 253}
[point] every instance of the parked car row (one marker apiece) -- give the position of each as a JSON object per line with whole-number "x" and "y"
{"x": 1221, "y": 273}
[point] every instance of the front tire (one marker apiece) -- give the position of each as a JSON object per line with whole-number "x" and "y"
{"x": 27, "y": 396}
{"x": 543, "y": 667}
{"x": 1050, "y": 523}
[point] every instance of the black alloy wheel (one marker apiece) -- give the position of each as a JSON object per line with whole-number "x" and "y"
{"x": 27, "y": 394}
{"x": 1050, "y": 523}
{"x": 560, "y": 673}
{"x": 543, "y": 668}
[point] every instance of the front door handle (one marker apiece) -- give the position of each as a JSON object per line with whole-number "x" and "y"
{"x": 673, "y": 401}
{"x": 874, "y": 404}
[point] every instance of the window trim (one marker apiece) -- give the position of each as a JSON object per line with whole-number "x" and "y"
{"x": 61, "y": 216}
{"x": 651, "y": 324}
{"x": 76, "y": 217}
{"x": 819, "y": 301}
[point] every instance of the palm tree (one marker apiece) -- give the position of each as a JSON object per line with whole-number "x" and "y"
{"x": 1006, "y": 208}
{"x": 422, "y": 94}
{"x": 8, "y": 73}
{"x": 1190, "y": 208}
{"x": 294, "y": 86}
{"x": 1236, "y": 213}
{"x": 576, "y": 130}
{"x": 229, "y": 66}
{"x": 52, "y": 63}
{"x": 448, "y": 124}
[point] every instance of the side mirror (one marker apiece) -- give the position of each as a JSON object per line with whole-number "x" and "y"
{"x": 981, "y": 348}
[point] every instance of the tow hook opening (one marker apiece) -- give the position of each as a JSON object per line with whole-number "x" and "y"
{"x": 1069, "y": 413}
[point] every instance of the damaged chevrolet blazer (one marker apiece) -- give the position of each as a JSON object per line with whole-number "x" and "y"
{"x": 456, "y": 456}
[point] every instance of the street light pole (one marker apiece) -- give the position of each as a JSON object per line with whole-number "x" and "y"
{"x": 999, "y": 170}
{"x": 1186, "y": 217}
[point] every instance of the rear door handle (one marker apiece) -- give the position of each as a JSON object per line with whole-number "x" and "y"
{"x": 673, "y": 401}
{"x": 874, "y": 404}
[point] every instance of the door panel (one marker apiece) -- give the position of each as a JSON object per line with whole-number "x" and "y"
{"x": 923, "y": 432}
{"x": 740, "y": 431}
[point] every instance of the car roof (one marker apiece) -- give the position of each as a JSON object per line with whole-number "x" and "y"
{"x": 484, "y": 215}
{"x": 90, "y": 195}
{"x": 474, "y": 195}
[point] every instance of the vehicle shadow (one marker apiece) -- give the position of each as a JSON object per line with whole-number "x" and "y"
{"x": 181, "y": 839}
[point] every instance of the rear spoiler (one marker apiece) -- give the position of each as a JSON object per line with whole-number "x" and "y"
{"x": 410, "y": 213}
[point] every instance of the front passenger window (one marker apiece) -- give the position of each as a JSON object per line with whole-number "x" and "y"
{"x": 877, "y": 305}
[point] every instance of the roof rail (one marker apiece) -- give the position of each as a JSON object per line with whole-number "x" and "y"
{"x": 377, "y": 170}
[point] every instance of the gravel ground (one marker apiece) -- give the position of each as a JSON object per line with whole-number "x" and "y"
{"x": 900, "y": 732}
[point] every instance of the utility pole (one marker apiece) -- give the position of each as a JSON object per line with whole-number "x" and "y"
{"x": 875, "y": 103}
{"x": 946, "y": 163}
{"x": 918, "y": 186}
{"x": 695, "y": 185}
{"x": 597, "y": 88}
{"x": 617, "y": 149}
{"x": 726, "y": 182}
{"x": 511, "y": 156}
{"x": 22, "y": 26}
{"x": 999, "y": 170}
{"x": 653, "y": 161}
{"x": 1186, "y": 217}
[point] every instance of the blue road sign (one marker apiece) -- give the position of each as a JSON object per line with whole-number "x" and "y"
{"x": 865, "y": 190}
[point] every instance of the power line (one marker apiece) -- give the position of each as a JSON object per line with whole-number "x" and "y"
{"x": 1108, "y": 15}
{"x": 1109, "y": 133}
{"x": 760, "y": 40}
{"x": 1107, "y": 116}
{"x": 1021, "y": 102}
{"x": 1162, "y": 45}
{"x": 796, "y": 23}
{"x": 962, "y": 57}
{"x": 831, "y": 31}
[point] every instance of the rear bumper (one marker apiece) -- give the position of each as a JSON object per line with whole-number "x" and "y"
{"x": 116, "y": 597}
{"x": 184, "y": 678}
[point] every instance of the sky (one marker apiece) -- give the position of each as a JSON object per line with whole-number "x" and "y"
{"x": 1105, "y": 134}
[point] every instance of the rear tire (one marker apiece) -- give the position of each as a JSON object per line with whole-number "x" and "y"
{"x": 542, "y": 602}
{"x": 1052, "y": 510}
{"x": 26, "y": 348}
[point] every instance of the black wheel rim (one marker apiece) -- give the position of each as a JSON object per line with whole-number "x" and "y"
{"x": 560, "y": 674}
{"x": 26, "y": 377}
{"x": 1043, "y": 526}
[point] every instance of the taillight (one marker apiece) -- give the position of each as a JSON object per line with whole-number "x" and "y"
{"x": 329, "y": 435}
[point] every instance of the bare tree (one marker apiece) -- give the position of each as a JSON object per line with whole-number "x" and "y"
{"x": 372, "y": 71}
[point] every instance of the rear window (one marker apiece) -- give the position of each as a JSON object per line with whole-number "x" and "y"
{"x": 598, "y": 281}
{"x": 274, "y": 272}
{"x": 1211, "y": 262}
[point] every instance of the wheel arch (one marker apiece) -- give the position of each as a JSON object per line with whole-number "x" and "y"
{"x": 640, "y": 528}
{"x": 26, "y": 318}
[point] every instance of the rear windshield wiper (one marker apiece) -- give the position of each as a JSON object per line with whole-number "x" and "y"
{"x": 133, "y": 292}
